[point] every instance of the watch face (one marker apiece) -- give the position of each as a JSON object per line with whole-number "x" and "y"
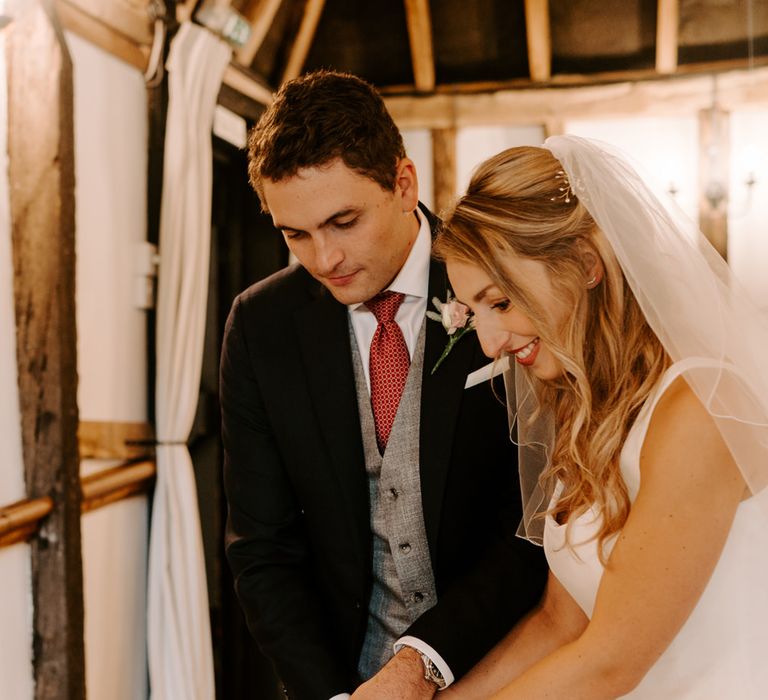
{"x": 433, "y": 672}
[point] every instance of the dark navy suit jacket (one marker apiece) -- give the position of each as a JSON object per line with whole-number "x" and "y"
{"x": 298, "y": 535}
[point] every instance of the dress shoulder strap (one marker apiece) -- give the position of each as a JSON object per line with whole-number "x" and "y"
{"x": 630, "y": 454}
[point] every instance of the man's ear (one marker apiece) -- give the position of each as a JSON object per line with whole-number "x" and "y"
{"x": 407, "y": 184}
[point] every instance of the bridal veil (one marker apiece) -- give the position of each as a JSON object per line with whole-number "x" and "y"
{"x": 692, "y": 303}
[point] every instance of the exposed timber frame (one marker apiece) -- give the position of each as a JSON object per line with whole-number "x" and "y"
{"x": 41, "y": 166}
{"x": 130, "y": 42}
{"x": 444, "y": 167}
{"x": 539, "y": 38}
{"x": 572, "y": 80}
{"x": 678, "y": 95}
{"x": 667, "y": 23}
{"x": 20, "y": 522}
{"x": 419, "y": 22}
{"x": 304, "y": 38}
{"x": 117, "y": 484}
{"x": 114, "y": 440}
{"x": 260, "y": 15}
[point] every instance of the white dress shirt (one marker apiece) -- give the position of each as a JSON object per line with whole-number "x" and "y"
{"x": 413, "y": 282}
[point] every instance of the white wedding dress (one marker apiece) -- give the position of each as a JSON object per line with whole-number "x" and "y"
{"x": 721, "y": 652}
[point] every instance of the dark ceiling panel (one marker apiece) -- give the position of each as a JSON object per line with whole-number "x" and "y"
{"x": 479, "y": 41}
{"x": 603, "y": 35}
{"x": 484, "y": 41}
{"x": 369, "y": 39}
{"x": 272, "y": 57}
{"x": 712, "y": 30}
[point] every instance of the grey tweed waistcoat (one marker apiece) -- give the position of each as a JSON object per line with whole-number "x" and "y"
{"x": 403, "y": 582}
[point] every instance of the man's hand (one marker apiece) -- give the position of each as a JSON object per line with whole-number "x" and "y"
{"x": 400, "y": 679}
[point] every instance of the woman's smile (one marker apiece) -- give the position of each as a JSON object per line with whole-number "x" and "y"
{"x": 526, "y": 355}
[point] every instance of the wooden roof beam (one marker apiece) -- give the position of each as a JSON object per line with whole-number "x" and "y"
{"x": 684, "y": 95}
{"x": 130, "y": 19}
{"x": 300, "y": 49}
{"x": 539, "y": 38}
{"x": 419, "y": 21}
{"x": 260, "y": 14}
{"x": 667, "y": 22}
{"x": 103, "y": 33}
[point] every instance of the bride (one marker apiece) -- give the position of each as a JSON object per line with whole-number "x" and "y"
{"x": 641, "y": 408}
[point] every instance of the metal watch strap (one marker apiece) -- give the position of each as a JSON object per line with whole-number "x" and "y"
{"x": 432, "y": 672}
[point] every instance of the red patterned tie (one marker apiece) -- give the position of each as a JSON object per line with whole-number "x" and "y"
{"x": 388, "y": 364}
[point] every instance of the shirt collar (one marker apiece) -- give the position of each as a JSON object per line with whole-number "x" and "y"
{"x": 413, "y": 278}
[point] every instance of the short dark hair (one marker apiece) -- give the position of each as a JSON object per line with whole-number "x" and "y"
{"x": 319, "y": 117}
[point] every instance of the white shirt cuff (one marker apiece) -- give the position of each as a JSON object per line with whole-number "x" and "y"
{"x": 427, "y": 650}
{"x": 341, "y": 696}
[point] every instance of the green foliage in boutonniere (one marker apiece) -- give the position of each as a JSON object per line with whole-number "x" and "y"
{"x": 455, "y": 319}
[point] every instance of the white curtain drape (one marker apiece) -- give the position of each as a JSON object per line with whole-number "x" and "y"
{"x": 179, "y": 639}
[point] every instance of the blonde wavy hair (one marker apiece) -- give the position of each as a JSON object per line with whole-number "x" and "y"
{"x": 515, "y": 208}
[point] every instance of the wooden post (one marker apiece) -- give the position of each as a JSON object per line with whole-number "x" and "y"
{"x": 714, "y": 155}
{"x": 553, "y": 126}
{"x": 419, "y": 21}
{"x": 42, "y": 198}
{"x": 539, "y": 37}
{"x": 444, "y": 167}
{"x": 300, "y": 49}
{"x": 667, "y": 26}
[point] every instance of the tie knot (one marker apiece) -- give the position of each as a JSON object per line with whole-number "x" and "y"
{"x": 384, "y": 306}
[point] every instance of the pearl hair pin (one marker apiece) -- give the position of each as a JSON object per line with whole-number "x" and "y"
{"x": 565, "y": 188}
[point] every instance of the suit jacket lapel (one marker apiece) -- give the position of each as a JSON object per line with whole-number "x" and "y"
{"x": 441, "y": 395}
{"x": 324, "y": 336}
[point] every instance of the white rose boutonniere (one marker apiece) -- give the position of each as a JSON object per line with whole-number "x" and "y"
{"x": 455, "y": 318}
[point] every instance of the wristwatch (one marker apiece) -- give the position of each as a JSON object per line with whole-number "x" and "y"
{"x": 432, "y": 672}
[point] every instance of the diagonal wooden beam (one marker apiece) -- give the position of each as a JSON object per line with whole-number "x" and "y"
{"x": 21, "y": 521}
{"x": 300, "y": 49}
{"x": 260, "y": 15}
{"x": 539, "y": 37}
{"x": 419, "y": 21}
{"x": 667, "y": 22}
{"x": 108, "y": 37}
{"x": 94, "y": 29}
{"x": 41, "y": 169}
{"x": 130, "y": 18}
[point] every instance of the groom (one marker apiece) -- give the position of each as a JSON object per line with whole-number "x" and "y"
{"x": 372, "y": 503}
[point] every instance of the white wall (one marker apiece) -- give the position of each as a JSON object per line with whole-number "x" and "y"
{"x": 478, "y": 143}
{"x": 473, "y": 146}
{"x": 110, "y": 169}
{"x": 115, "y": 573}
{"x": 748, "y": 210}
{"x": 16, "y": 673}
{"x": 418, "y": 147}
{"x": 667, "y": 149}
